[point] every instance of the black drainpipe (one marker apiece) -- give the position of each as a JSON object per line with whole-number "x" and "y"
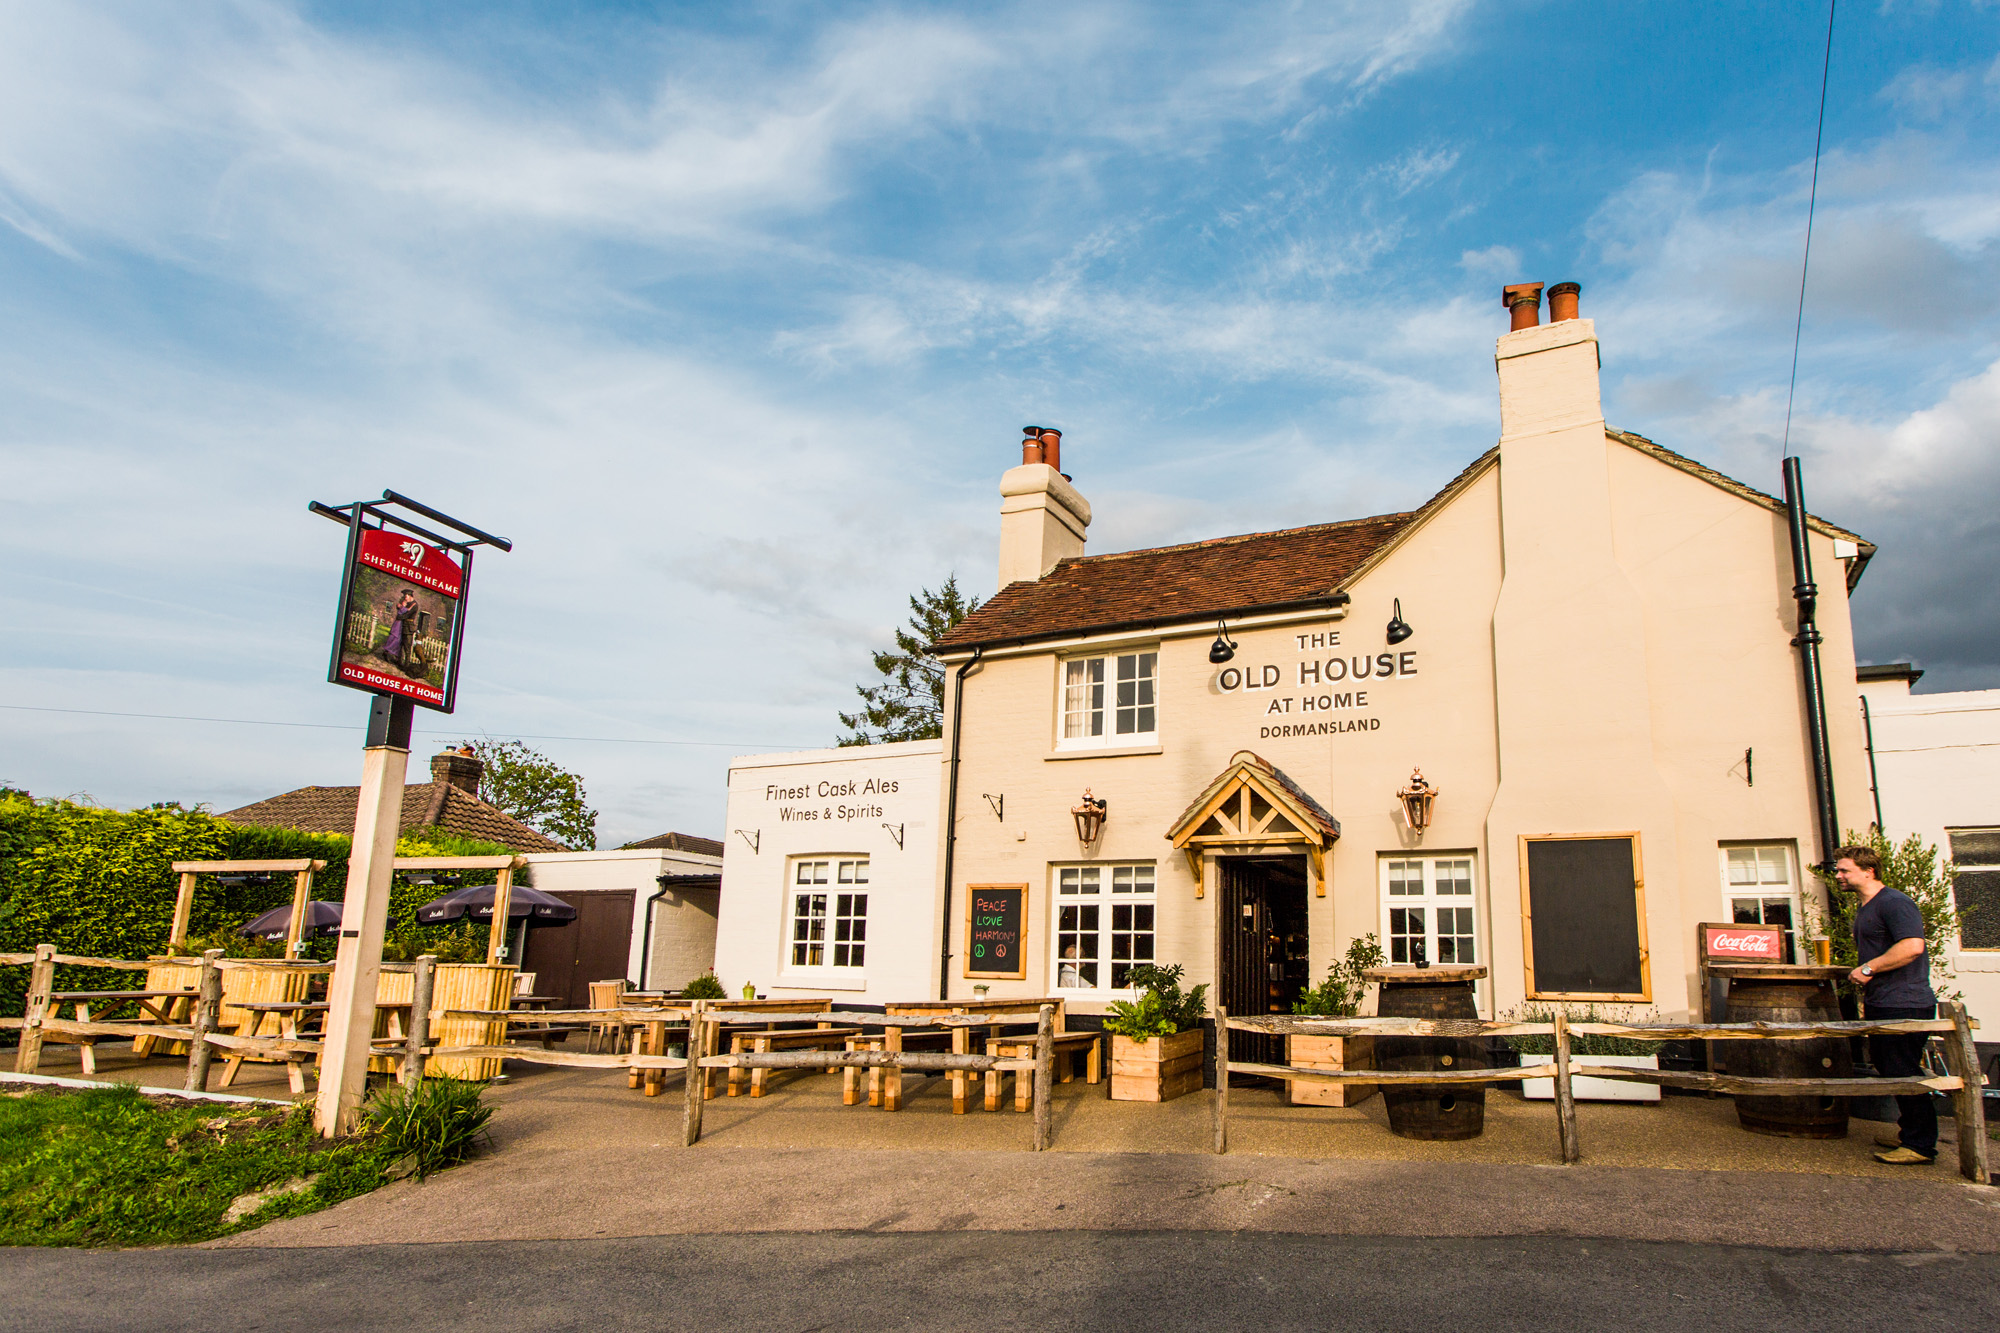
{"x": 646, "y": 943}
{"x": 1874, "y": 782}
{"x": 1806, "y": 593}
{"x": 951, "y": 821}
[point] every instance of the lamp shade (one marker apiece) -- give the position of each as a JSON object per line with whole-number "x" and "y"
{"x": 1089, "y": 815}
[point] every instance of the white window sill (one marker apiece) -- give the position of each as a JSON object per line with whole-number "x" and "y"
{"x": 1103, "y": 751}
{"x": 820, "y": 981}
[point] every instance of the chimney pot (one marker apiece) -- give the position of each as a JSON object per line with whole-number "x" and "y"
{"x": 1562, "y": 301}
{"x": 1052, "y": 448}
{"x": 1524, "y": 304}
{"x": 1031, "y": 444}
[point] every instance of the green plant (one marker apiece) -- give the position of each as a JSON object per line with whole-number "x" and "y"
{"x": 232, "y": 944}
{"x": 704, "y": 987}
{"x": 1910, "y": 867}
{"x": 1162, "y": 1010}
{"x": 534, "y": 789}
{"x": 462, "y": 943}
{"x": 1582, "y": 1043}
{"x": 434, "y": 1124}
{"x": 1341, "y": 993}
{"x": 908, "y": 705}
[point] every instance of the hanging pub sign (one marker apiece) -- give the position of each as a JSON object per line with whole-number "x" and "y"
{"x": 402, "y": 600}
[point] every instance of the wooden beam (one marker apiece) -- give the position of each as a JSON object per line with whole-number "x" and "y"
{"x": 1565, "y": 1099}
{"x": 567, "y": 1059}
{"x": 207, "y": 1014}
{"x": 503, "y": 898}
{"x": 419, "y": 1031}
{"x": 1219, "y": 1140}
{"x": 233, "y": 867}
{"x": 460, "y": 862}
{"x": 1768, "y": 1031}
{"x": 1045, "y": 1067}
{"x": 183, "y": 909}
{"x": 295, "y": 925}
{"x": 41, "y": 984}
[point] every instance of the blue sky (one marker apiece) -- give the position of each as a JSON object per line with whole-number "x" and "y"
{"x": 730, "y": 317}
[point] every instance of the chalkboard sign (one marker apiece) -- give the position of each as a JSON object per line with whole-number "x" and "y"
{"x": 996, "y": 931}
{"x": 1586, "y": 918}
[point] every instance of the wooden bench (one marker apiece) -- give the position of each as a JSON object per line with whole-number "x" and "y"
{"x": 108, "y": 1002}
{"x": 1066, "y": 1045}
{"x": 850, "y": 1079}
{"x": 784, "y": 1039}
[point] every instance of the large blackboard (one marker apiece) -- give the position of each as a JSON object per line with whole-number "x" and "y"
{"x": 996, "y": 930}
{"x": 1586, "y": 936}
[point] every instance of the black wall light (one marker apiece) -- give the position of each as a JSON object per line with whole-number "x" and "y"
{"x": 1224, "y": 647}
{"x": 1399, "y": 629}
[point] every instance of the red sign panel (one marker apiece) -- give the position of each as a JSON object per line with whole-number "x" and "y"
{"x": 399, "y": 628}
{"x": 1744, "y": 944}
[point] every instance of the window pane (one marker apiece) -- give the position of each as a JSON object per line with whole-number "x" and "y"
{"x": 1406, "y": 879}
{"x": 1134, "y": 694}
{"x": 1406, "y": 924}
{"x": 1067, "y": 880}
{"x": 1455, "y": 935}
{"x": 1747, "y": 912}
{"x": 1742, "y": 865}
{"x": 1454, "y": 878}
{"x": 1771, "y": 864}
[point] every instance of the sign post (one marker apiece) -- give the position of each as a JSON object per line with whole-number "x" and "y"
{"x": 396, "y": 636}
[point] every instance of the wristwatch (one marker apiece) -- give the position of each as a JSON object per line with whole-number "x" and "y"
{"x": 1867, "y": 971}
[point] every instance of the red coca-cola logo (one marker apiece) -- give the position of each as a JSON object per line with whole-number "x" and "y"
{"x": 1756, "y": 942}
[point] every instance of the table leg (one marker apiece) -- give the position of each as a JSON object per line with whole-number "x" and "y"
{"x": 1024, "y": 1083}
{"x": 642, "y": 1040}
{"x": 735, "y": 1079}
{"x": 758, "y": 1045}
{"x": 654, "y": 1042}
{"x": 874, "y": 1072}
{"x": 961, "y": 1044}
{"x": 295, "y": 1074}
{"x": 1094, "y": 1065}
{"x": 992, "y": 1078}
{"x": 892, "y": 1078}
{"x": 850, "y": 1085}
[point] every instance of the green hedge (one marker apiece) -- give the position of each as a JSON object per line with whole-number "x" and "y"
{"x": 101, "y": 882}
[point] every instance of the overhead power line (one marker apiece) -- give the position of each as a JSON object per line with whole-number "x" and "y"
{"x": 335, "y": 726}
{"x": 1812, "y": 203}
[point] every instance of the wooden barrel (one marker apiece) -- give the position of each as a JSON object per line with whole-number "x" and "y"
{"x": 1430, "y": 1111}
{"x": 1789, "y": 999}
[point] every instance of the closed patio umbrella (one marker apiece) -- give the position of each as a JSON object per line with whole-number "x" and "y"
{"x": 321, "y": 919}
{"x": 476, "y": 904}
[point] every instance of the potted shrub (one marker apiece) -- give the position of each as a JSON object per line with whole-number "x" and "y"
{"x": 1588, "y": 1049}
{"x": 1156, "y": 1040}
{"x": 1339, "y": 996}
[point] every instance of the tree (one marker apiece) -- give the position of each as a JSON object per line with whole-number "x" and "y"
{"x": 909, "y": 703}
{"x": 533, "y": 789}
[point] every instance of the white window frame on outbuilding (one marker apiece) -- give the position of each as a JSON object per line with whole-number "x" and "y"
{"x": 825, "y": 921}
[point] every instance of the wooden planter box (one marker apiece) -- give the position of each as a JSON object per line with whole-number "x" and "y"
{"x": 1307, "y": 1052}
{"x": 1158, "y": 1070}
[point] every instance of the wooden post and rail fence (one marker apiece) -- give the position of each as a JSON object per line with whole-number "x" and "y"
{"x": 413, "y": 1050}
{"x": 1953, "y": 1026}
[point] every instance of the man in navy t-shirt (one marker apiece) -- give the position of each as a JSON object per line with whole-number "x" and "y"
{"x": 1895, "y": 981}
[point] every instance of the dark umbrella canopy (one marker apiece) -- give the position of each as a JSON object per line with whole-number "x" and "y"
{"x": 476, "y": 904}
{"x": 321, "y": 919}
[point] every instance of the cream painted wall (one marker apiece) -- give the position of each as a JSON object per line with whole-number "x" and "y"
{"x": 751, "y": 935}
{"x": 1599, "y": 636}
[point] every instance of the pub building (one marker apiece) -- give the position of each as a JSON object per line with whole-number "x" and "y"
{"x": 1547, "y": 723}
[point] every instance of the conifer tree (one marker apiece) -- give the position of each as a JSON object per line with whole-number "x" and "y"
{"x": 909, "y": 703}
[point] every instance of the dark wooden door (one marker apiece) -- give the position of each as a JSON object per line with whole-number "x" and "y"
{"x": 595, "y": 947}
{"x": 1244, "y": 986}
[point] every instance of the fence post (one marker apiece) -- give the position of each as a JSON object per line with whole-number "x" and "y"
{"x": 421, "y": 985}
{"x": 1045, "y": 1069}
{"x": 1565, "y": 1101}
{"x": 1221, "y": 1144}
{"x": 207, "y": 1015}
{"x": 41, "y": 980}
{"x": 697, "y": 1043}
{"x": 1961, "y": 1057}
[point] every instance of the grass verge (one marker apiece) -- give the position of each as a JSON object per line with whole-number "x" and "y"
{"x": 107, "y": 1166}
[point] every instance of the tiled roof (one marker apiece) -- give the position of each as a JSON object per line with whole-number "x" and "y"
{"x": 425, "y": 805}
{"x": 1169, "y": 584}
{"x": 1263, "y": 571}
{"x": 676, "y": 842}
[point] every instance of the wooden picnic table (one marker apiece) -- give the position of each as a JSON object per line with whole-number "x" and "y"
{"x": 654, "y": 1019}
{"x": 289, "y": 1013}
{"x": 961, "y": 1037}
{"x": 107, "y": 1002}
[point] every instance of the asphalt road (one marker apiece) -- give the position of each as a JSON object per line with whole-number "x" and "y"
{"x": 1045, "y": 1281}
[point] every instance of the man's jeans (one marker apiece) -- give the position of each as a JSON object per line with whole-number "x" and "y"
{"x": 1901, "y": 1055}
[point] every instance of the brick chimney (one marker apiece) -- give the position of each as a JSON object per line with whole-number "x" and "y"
{"x": 1042, "y": 517}
{"x": 457, "y": 768}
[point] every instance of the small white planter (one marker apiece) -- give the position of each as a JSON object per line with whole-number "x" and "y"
{"x": 1587, "y": 1089}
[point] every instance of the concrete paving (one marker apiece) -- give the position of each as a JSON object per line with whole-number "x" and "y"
{"x": 578, "y": 1156}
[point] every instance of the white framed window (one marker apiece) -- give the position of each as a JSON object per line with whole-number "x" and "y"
{"x": 1104, "y": 925}
{"x": 1110, "y": 700}
{"x": 1427, "y": 911}
{"x": 1763, "y": 890}
{"x": 828, "y": 926}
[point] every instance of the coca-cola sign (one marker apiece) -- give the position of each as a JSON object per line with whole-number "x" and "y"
{"x": 1745, "y": 943}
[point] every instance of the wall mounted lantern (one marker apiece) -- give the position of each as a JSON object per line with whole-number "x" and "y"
{"x": 1224, "y": 647}
{"x": 1417, "y": 798}
{"x": 1090, "y": 817}
{"x": 1399, "y": 629}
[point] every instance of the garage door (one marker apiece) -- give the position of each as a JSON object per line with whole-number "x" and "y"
{"x": 595, "y": 947}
